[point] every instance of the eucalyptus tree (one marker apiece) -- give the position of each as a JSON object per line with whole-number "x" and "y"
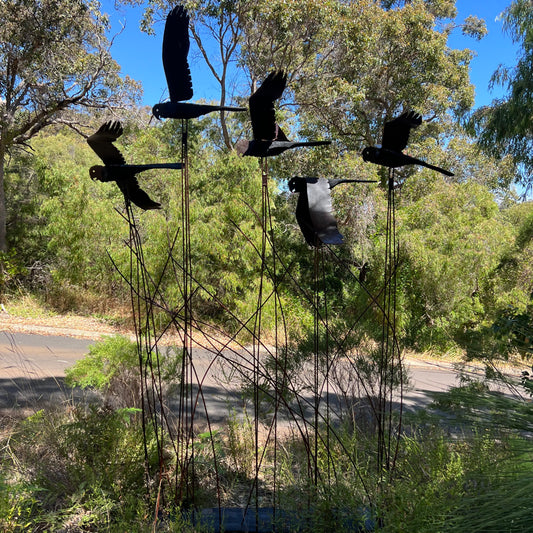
{"x": 216, "y": 30}
{"x": 505, "y": 127}
{"x": 54, "y": 56}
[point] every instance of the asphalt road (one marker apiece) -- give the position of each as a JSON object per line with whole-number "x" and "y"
{"x": 32, "y": 368}
{"x": 25, "y": 355}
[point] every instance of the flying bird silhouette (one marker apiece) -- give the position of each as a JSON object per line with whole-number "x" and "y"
{"x": 314, "y": 210}
{"x": 395, "y": 138}
{"x": 117, "y": 170}
{"x": 268, "y": 137}
{"x": 177, "y": 72}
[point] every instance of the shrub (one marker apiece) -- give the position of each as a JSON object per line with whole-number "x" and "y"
{"x": 113, "y": 368}
{"x": 80, "y": 470}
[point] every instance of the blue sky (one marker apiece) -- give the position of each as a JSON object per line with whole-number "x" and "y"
{"x": 140, "y": 55}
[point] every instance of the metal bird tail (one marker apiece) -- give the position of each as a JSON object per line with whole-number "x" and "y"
{"x": 187, "y": 110}
{"x": 230, "y": 108}
{"x": 335, "y": 182}
{"x": 438, "y": 169}
{"x": 150, "y": 166}
{"x": 311, "y": 143}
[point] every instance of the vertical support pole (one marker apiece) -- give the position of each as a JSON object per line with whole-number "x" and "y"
{"x": 257, "y": 331}
{"x": 390, "y": 353}
{"x": 316, "y": 362}
{"x": 185, "y": 487}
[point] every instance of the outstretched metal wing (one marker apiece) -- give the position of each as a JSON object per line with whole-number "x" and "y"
{"x": 321, "y": 211}
{"x": 131, "y": 190}
{"x": 261, "y": 103}
{"x": 175, "y": 50}
{"x": 396, "y": 131}
{"x": 102, "y": 143}
{"x": 314, "y": 211}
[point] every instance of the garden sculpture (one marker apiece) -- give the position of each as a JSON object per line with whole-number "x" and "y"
{"x": 395, "y": 138}
{"x": 117, "y": 170}
{"x": 268, "y": 137}
{"x": 314, "y": 210}
{"x": 178, "y": 74}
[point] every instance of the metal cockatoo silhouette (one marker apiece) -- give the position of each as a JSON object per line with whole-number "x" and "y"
{"x": 395, "y": 138}
{"x": 268, "y": 137}
{"x": 177, "y": 72}
{"x": 314, "y": 210}
{"x": 117, "y": 170}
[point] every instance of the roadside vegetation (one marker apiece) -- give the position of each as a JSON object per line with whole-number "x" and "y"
{"x": 464, "y": 281}
{"x": 91, "y": 467}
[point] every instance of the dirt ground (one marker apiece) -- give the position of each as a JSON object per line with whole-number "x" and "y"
{"x": 68, "y": 325}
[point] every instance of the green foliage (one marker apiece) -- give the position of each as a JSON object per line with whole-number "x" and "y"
{"x": 503, "y": 127}
{"x": 240, "y": 445}
{"x": 454, "y": 469}
{"x": 104, "y": 362}
{"x": 502, "y": 428}
{"x": 437, "y": 476}
{"x": 504, "y": 330}
{"x": 112, "y": 367}
{"x": 83, "y": 469}
{"x": 384, "y": 62}
{"x": 452, "y": 237}
{"x": 10, "y": 269}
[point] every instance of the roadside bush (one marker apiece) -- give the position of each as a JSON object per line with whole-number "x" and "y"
{"x": 112, "y": 367}
{"x": 80, "y": 470}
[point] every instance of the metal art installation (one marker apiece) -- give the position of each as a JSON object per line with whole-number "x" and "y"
{"x": 314, "y": 211}
{"x": 292, "y": 398}
{"x": 268, "y": 137}
{"x": 175, "y": 51}
{"x": 117, "y": 170}
{"x": 395, "y": 137}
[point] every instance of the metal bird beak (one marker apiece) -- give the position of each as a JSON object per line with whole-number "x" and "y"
{"x": 155, "y": 112}
{"x": 95, "y": 172}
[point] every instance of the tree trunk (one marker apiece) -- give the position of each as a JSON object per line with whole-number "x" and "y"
{"x": 3, "y": 210}
{"x": 225, "y": 133}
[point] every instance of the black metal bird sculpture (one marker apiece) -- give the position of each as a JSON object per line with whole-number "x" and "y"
{"x": 117, "y": 170}
{"x": 178, "y": 74}
{"x": 268, "y": 137}
{"x": 395, "y": 138}
{"x": 314, "y": 210}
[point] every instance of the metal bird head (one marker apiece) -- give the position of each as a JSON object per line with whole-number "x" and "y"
{"x": 98, "y": 172}
{"x": 296, "y": 184}
{"x": 370, "y": 153}
{"x": 156, "y": 111}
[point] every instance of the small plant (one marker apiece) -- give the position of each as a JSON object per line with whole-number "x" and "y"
{"x": 83, "y": 469}
{"x": 113, "y": 368}
{"x": 241, "y": 445}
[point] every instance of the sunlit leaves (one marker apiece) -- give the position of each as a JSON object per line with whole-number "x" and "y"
{"x": 454, "y": 237}
{"x": 504, "y": 128}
